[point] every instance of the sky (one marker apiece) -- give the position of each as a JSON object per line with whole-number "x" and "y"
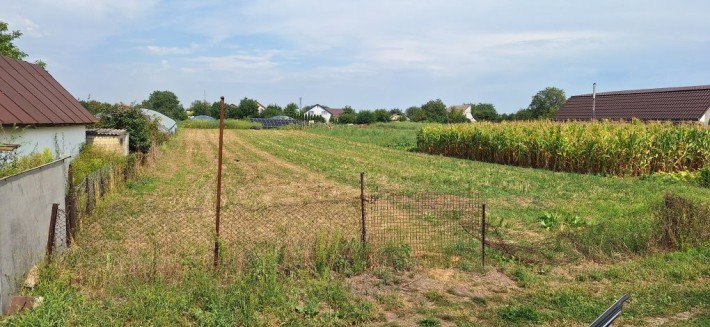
{"x": 363, "y": 53}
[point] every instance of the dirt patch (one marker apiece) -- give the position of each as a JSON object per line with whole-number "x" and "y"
{"x": 418, "y": 290}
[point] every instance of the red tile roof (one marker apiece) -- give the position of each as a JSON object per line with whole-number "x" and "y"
{"x": 675, "y": 104}
{"x": 29, "y": 95}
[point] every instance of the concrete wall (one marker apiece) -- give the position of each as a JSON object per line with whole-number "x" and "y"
{"x": 64, "y": 140}
{"x": 25, "y": 210}
{"x": 115, "y": 143}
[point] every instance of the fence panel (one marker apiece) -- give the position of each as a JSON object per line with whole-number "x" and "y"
{"x": 431, "y": 224}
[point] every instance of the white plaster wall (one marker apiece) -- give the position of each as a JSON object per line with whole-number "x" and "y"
{"x": 62, "y": 140}
{"x": 318, "y": 111}
{"x": 705, "y": 119}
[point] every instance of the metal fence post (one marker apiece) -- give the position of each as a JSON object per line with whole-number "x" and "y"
{"x": 52, "y": 226}
{"x": 363, "y": 225}
{"x": 219, "y": 182}
{"x": 483, "y": 234}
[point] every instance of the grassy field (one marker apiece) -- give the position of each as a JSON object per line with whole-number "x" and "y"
{"x": 592, "y": 239}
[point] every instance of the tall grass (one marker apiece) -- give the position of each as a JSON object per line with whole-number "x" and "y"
{"x": 23, "y": 163}
{"x": 607, "y": 148}
{"x": 214, "y": 124}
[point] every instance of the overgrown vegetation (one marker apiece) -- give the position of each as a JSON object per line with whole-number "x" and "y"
{"x": 607, "y": 148}
{"x": 91, "y": 159}
{"x": 17, "y": 164}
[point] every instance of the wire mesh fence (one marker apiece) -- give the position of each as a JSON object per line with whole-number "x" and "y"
{"x": 429, "y": 223}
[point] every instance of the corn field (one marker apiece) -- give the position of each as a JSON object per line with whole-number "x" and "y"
{"x": 607, "y": 148}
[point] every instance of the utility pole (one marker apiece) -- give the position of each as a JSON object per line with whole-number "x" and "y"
{"x": 594, "y": 101}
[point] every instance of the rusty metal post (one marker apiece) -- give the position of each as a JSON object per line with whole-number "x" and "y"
{"x": 363, "y": 226}
{"x": 69, "y": 205}
{"x": 483, "y": 235}
{"x": 52, "y": 226}
{"x": 219, "y": 182}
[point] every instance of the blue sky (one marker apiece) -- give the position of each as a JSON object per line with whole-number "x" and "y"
{"x": 366, "y": 54}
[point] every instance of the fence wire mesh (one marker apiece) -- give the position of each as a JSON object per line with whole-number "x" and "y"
{"x": 429, "y": 223}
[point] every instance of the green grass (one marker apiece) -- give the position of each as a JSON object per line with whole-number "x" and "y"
{"x": 214, "y": 124}
{"x": 91, "y": 159}
{"x": 390, "y": 135}
{"x": 24, "y": 163}
{"x": 93, "y": 284}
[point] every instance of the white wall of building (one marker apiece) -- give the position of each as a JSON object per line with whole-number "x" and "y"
{"x": 705, "y": 119}
{"x": 319, "y": 111}
{"x": 63, "y": 140}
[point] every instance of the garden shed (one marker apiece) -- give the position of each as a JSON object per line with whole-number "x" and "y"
{"x": 115, "y": 140}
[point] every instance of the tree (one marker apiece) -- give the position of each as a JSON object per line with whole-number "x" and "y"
{"x": 8, "y": 49}
{"x": 271, "y": 111}
{"x": 396, "y": 111}
{"x": 166, "y": 103}
{"x": 435, "y": 111}
{"x": 545, "y": 103}
{"x": 484, "y": 111}
{"x": 96, "y": 107}
{"x": 347, "y": 118}
{"x": 416, "y": 114}
{"x": 199, "y": 108}
{"x": 456, "y": 116}
{"x": 365, "y": 117}
{"x": 132, "y": 120}
{"x": 247, "y": 108}
{"x": 291, "y": 110}
{"x": 382, "y": 115}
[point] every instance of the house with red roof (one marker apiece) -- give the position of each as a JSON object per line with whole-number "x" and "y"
{"x": 36, "y": 112}
{"x": 677, "y": 104}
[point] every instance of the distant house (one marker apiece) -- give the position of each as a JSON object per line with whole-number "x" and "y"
{"x": 678, "y": 104}
{"x": 36, "y": 112}
{"x": 165, "y": 123}
{"x": 398, "y": 117}
{"x": 115, "y": 140}
{"x": 324, "y": 111}
{"x": 466, "y": 109}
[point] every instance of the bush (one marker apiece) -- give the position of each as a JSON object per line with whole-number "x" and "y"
{"x": 681, "y": 223}
{"x": 142, "y": 131}
{"x": 705, "y": 177}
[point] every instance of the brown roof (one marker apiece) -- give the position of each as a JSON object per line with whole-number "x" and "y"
{"x": 30, "y": 95}
{"x": 675, "y": 104}
{"x": 334, "y": 112}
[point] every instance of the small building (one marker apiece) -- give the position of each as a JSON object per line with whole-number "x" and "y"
{"x": 677, "y": 104}
{"x": 36, "y": 112}
{"x": 115, "y": 140}
{"x": 466, "y": 109}
{"x": 324, "y": 111}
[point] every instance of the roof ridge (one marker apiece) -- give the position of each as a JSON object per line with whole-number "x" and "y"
{"x": 653, "y": 90}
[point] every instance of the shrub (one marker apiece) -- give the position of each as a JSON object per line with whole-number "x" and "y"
{"x": 681, "y": 223}
{"x": 705, "y": 177}
{"x": 91, "y": 159}
{"x": 141, "y": 133}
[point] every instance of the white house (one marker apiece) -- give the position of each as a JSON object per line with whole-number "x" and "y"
{"x": 36, "y": 112}
{"x": 466, "y": 108}
{"x": 260, "y": 107}
{"x": 324, "y": 111}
